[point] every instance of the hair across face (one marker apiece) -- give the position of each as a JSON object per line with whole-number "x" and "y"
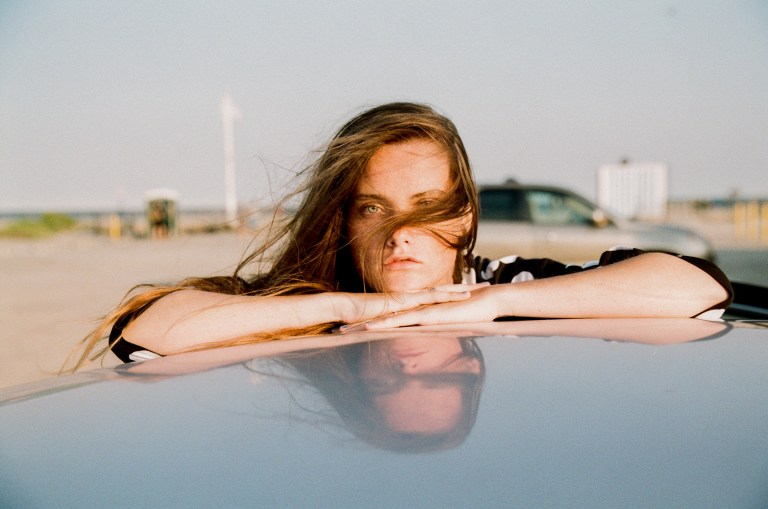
{"x": 403, "y": 181}
{"x": 320, "y": 246}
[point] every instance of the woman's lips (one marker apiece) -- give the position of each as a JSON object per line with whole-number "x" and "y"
{"x": 400, "y": 263}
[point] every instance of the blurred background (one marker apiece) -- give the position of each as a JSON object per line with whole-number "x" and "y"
{"x": 122, "y": 123}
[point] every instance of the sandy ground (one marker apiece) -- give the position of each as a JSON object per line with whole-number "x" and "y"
{"x": 52, "y": 291}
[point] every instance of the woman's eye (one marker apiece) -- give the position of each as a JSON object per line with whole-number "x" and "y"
{"x": 426, "y": 202}
{"x": 370, "y": 209}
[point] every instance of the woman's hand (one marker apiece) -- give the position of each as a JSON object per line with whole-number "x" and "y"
{"x": 444, "y": 304}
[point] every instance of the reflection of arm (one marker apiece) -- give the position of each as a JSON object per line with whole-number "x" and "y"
{"x": 193, "y": 362}
{"x": 652, "y": 331}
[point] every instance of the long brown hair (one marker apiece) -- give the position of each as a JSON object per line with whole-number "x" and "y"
{"x": 309, "y": 252}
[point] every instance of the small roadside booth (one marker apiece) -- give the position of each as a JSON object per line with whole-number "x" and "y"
{"x": 161, "y": 212}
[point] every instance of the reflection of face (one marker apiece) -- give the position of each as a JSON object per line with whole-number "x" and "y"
{"x": 401, "y": 178}
{"x": 416, "y": 382}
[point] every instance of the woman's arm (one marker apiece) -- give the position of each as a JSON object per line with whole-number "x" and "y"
{"x": 188, "y": 318}
{"x": 649, "y": 285}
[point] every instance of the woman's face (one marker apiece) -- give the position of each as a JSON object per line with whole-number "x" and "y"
{"x": 401, "y": 178}
{"x": 414, "y": 382}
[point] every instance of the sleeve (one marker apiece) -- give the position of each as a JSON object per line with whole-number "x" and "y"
{"x": 120, "y": 347}
{"x": 513, "y": 269}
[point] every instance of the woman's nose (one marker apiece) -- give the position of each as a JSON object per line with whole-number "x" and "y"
{"x": 406, "y": 365}
{"x": 399, "y": 237}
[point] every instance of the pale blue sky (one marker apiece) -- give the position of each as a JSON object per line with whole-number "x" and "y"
{"x": 100, "y": 100}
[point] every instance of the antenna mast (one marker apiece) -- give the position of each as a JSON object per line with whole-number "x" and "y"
{"x": 229, "y": 114}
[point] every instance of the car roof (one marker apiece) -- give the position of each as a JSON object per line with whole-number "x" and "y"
{"x": 513, "y": 184}
{"x": 572, "y": 413}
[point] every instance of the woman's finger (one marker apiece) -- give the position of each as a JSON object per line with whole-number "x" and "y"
{"x": 394, "y": 320}
{"x": 418, "y": 316}
{"x": 459, "y": 287}
{"x": 455, "y": 287}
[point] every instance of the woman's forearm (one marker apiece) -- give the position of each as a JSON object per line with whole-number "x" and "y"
{"x": 188, "y": 318}
{"x": 649, "y": 285}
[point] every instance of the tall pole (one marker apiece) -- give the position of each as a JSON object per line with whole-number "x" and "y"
{"x": 229, "y": 114}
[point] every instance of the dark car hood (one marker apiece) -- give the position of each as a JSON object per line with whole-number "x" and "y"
{"x": 674, "y": 417}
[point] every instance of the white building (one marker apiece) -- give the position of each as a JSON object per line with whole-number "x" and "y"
{"x": 634, "y": 190}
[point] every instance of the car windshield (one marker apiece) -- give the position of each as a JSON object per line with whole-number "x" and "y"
{"x": 550, "y": 208}
{"x": 504, "y": 204}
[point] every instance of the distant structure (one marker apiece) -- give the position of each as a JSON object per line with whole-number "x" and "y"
{"x": 634, "y": 190}
{"x": 229, "y": 113}
{"x": 162, "y": 212}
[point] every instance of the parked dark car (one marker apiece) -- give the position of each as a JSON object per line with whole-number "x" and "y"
{"x": 536, "y": 221}
{"x": 527, "y": 413}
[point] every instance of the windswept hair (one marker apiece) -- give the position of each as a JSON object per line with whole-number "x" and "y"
{"x": 308, "y": 252}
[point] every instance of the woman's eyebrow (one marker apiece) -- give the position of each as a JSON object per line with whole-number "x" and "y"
{"x": 431, "y": 192}
{"x": 380, "y": 197}
{"x": 377, "y": 197}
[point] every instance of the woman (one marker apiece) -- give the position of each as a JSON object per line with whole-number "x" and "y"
{"x": 383, "y": 237}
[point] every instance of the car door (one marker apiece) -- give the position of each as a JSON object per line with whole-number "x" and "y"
{"x": 564, "y": 227}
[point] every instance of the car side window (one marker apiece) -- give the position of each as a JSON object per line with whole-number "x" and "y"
{"x": 503, "y": 204}
{"x": 553, "y": 208}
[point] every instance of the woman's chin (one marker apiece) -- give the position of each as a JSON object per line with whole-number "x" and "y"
{"x": 405, "y": 284}
{"x": 398, "y": 285}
